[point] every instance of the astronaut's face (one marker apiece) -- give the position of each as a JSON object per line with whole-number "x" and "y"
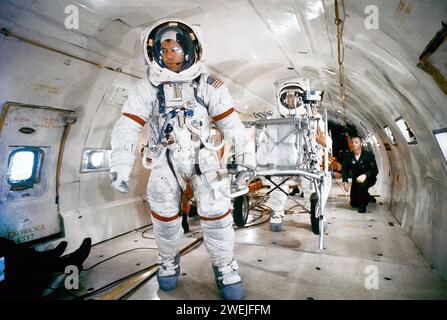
{"x": 356, "y": 144}
{"x": 172, "y": 55}
{"x": 291, "y": 100}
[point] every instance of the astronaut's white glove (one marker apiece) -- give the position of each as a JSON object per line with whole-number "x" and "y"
{"x": 245, "y": 154}
{"x": 119, "y": 176}
{"x": 234, "y": 133}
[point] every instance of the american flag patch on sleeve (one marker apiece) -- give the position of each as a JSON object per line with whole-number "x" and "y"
{"x": 214, "y": 81}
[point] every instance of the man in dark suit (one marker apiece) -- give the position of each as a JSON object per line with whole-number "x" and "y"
{"x": 361, "y": 166}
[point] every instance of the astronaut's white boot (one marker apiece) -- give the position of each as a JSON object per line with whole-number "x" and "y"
{"x": 229, "y": 282}
{"x": 168, "y": 273}
{"x": 276, "y": 221}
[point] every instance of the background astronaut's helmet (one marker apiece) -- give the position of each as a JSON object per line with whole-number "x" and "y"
{"x": 291, "y": 100}
{"x": 188, "y": 50}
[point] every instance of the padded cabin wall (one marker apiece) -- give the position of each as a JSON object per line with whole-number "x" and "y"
{"x": 34, "y": 75}
{"x": 384, "y": 81}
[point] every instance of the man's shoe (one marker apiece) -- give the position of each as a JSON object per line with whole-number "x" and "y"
{"x": 372, "y": 199}
{"x": 229, "y": 282}
{"x": 295, "y": 190}
{"x": 361, "y": 209}
{"x": 77, "y": 257}
{"x": 56, "y": 252}
{"x": 168, "y": 273}
{"x": 42, "y": 263}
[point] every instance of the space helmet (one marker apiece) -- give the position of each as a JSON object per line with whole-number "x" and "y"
{"x": 185, "y": 44}
{"x": 290, "y": 96}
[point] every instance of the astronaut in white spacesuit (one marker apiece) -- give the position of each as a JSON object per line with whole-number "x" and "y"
{"x": 279, "y": 147}
{"x": 180, "y": 99}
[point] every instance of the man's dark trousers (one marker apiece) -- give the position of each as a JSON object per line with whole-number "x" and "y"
{"x": 359, "y": 191}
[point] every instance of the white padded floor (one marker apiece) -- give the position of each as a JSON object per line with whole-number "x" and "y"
{"x": 284, "y": 265}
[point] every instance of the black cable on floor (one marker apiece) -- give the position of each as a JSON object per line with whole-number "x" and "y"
{"x": 118, "y": 254}
{"x": 116, "y": 282}
{"x": 112, "y": 284}
{"x": 93, "y": 266}
{"x": 145, "y": 237}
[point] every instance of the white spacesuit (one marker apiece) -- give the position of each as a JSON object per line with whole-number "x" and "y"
{"x": 180, "y": 99}
{"x": 279, "y": 147}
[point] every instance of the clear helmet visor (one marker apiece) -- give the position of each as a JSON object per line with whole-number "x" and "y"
{"x": 173, "y": 47}
{"x": 291, "y": 97}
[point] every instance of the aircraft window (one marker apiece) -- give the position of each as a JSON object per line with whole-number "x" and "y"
{"x": 441, "y": 138}
{"x": 374, "y": 140}
{"x": 95, "y": 160}
{"x": 24, "y": 167}
{"x": 406, "y": 131}
{"x": 390, "y": 136}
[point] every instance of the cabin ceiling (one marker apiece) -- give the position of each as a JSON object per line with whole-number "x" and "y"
{"x": 252, "y": 43}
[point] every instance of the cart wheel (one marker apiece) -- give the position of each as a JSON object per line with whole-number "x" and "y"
{"x": 314, "y": 219}
{"x": 240, "y": 210}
